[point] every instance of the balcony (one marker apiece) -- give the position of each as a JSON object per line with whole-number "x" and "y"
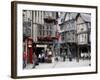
{"x": 50, "y": 20}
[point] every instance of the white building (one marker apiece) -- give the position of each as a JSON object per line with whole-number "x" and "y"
{"x": 83, "y": 22}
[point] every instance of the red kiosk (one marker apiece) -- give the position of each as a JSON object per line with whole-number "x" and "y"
{"x": 30, "y": 50}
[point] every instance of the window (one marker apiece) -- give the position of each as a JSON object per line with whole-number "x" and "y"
{"x": 61, "y": 27}
{"x": 62, "y": 36}
{"x": 62, "y": 20}
{"x": 50, "y": 26}
{"x": 73, "y": 33}
{"x": 47, "y": 26}
{"x": 47, "y": 32}
{"x": 82, "y": 29}
{"x": 69, "y": 39}
{"x": 43, "y": 27}
{"x": 73, "y": 39}
{"x": 40, "y": 27}
{"x": 43, "y": 32}
{"x": 35, "y": 16}
{"x": 68, "y": 33}
{"x": 40, "y": 33}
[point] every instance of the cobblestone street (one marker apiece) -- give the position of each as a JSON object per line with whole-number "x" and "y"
{"x": 60, "y": 64}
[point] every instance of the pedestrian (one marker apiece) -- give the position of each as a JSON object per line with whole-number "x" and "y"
{"x": 43, "y": 56}
{"x": 34, "y": 59}
{"x": 24, "y": 59}
{"x": 39, "y": 58}
{"x": 82, "y": 55}
{"x": 35, "y": 55}
{"x": 64, "y": 55}
{"x": 49, "y": 56}
{"x": 46, "y": 56}
{"x": 56, "y": 56}
{"x": 69, "y": 55}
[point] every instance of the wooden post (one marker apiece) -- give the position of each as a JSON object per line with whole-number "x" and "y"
{"x": 77, "y": 59}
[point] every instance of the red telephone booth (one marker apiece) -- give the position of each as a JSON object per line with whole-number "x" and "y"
{"x": 30, "y": 50}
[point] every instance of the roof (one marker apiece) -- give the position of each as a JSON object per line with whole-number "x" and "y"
{"x": 86, "y": 17}
{"x": 73, "y": 15}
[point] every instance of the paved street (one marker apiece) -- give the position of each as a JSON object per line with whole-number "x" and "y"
{"x": 60, "y": 64}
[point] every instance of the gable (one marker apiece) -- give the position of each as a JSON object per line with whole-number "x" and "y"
{"x": 80, "y": 20}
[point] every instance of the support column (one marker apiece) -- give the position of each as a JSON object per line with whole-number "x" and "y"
{"x": 78, "y": 48}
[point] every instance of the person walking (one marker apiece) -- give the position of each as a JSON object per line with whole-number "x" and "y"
{"x": 24, "y": 59}
{"x": 34, "y": 59}
{"x": 35, "y": 56}
{"x": 50, "y": 56}
{"x": 69, "y": 55}
{"x": 64, "y": 55}
{"x": 43, "y": 56}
